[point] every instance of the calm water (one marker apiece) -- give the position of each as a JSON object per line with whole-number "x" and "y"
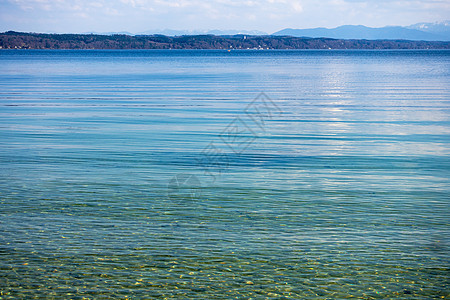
{"x": 167, "y": 174}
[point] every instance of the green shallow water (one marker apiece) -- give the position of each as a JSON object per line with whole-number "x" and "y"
{"x": 141, "y": 174}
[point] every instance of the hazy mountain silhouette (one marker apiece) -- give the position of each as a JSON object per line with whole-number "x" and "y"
{"x": 170, "y": 32}
{"x": 418, "y": 32}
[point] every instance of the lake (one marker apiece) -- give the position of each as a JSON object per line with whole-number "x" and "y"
{"x": 211, "y": 174}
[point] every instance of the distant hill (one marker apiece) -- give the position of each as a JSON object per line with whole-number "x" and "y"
{"x": 418, "y": 32}
{"x": 108, "y": 33}
{"x": 20, "y": 40}
{"x": 170, "y": 32}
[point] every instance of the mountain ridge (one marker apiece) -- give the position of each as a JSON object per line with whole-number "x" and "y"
{"x": 439, "y": 31}
{"x": 174, "y": 32}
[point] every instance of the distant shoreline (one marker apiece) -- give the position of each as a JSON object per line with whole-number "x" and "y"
{"x": 22, "y": 40}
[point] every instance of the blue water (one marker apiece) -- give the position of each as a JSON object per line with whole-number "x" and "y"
{"x": 219, "y": 175}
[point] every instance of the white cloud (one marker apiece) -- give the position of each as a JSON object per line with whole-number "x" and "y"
{"x": 297, "y": 6}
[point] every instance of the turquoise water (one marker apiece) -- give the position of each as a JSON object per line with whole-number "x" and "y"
{"x": 220, "y": 175}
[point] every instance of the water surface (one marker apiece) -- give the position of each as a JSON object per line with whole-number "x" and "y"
{"x": 151, "y": 174}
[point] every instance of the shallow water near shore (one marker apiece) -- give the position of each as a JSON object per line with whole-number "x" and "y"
{"x": 218, "y": 175}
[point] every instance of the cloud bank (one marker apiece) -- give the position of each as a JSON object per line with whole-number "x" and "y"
{"x": 266, "y": 15}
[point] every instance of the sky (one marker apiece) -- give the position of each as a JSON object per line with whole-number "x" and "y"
{"x": 135, "y": 16}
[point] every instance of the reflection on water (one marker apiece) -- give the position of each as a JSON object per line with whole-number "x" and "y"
{"x": 104, "y": 190}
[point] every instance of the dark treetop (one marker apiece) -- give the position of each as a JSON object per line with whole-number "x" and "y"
{"x": 20, "y": 40}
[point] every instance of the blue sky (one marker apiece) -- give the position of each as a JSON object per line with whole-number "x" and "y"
{"x": 135, "y": 16}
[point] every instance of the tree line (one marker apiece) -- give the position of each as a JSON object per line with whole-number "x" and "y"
{"x": 21, "y": 40}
